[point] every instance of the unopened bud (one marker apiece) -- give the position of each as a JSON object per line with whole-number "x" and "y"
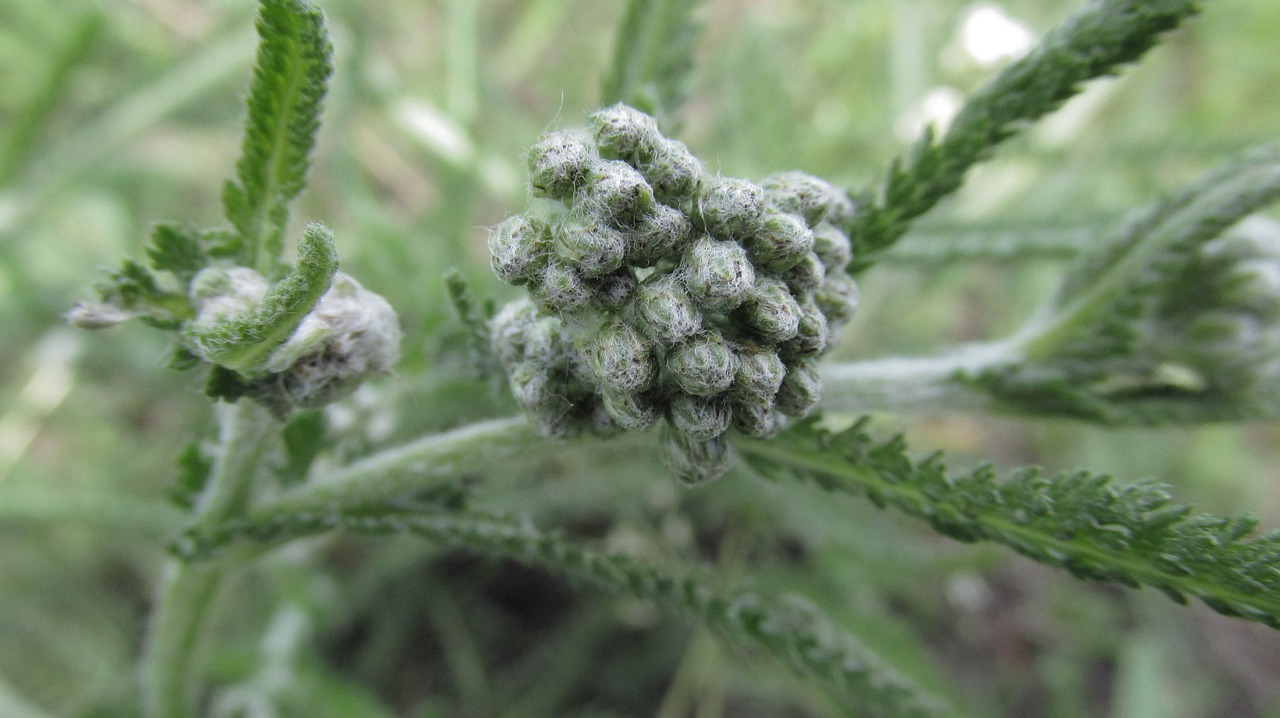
{"x": 718, "y": 274}
{"x": 801, "y": 388}
{"x": 673, "y": 172}
{"x": 700, "y": 417}
{"x": 658, "y": 235}
{"x": 590, "y": 247}
{"x": 757, "y": 418}
{"x": 771, "y": 311}
{"x": 560, "y": 163}
{"x": 621, "y": 359}
{"x": 811, "y": 334}
{"x": 667, "y": 312}
{"x": 702, "y": 365}
{"x": 518, "y": 249}
{"x": 832, "y": 246}
{"x": 731, "y": 209}
{"x": 562, "y": 291}
{"x": 813, "y": 199}
{"x": 618, "y": 195}
{"x": 633, "y": 411}
{"x": 696, "y": 462}
{"x": 625, "y": 133}
{"x": 783, "y": 240}
{"x": 759, "y": 373}
{"x": 612, "y": 291}
{"x": 806, "y": 275}
{"x": 837, "y": 296}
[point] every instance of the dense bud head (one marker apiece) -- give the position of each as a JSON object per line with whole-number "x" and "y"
{"x": 808, "y": 197}
{"x": 759, "y": 374}
{"x": 561, "y": 291}
{"x": 811, "y": 335}
{"x": 832, "y": 246}
{"x": 658, "y": 235}
{"x": 702, "y": 365}
{"x": 673, "y": 172}
{"x": 666, "y": 312}
{"x": 633, "y": 411}
{"x": 806, "y": 275}
{"x": 718, "y": 274}
{"x": 757, "y": 418}
{"x": 617, "y": 195}
{"x": 518, "y": 249}
{"x": 783, "y": 240}
{"x": 560, "y": 163}
{"x": 612, "y": 291}
{"x": 593, "y": 249}
{"x": 696, "y": 462}
{"x": 801, "y": 388}
{"x": 625, "y": 133}
{"x": 621, "y": 359}
{"x": 770, "y": 311}
{"x": 837, "y": 296}
{"x": 700, "y": 417}
{"x": 731, "y": 208}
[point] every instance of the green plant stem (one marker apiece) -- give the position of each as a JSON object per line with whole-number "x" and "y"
{"x": 43, "y": 505}
{"x": 172, "y": 654}
{"x": 915, "y": 385}
{"x": 413, "y": 467}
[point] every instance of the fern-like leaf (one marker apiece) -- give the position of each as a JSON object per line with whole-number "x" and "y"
{"x": 242, "y": 343}
{"x": 653, "y": 57}
{"x": 1097, "y": 529}
{"x": 1095, "y": 42}
{"x": 289, "y": 83}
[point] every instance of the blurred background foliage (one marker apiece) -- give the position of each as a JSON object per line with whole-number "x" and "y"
{"x": 118, "y": 113}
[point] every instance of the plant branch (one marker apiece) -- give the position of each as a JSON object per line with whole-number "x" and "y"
{"x": 914, "y": 385}
{"x": 172, "y": 654}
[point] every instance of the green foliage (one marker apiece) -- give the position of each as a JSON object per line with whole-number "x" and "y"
{"x": 290, "y": 79}
{"x": 653, "y": 57}
{"x": 1093, "y": 43}
{"x": 1078, "y": 520}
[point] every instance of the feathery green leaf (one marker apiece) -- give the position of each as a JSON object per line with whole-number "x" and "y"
{"x": 1093, "y": 43}
{"x": 242, "y": 343}
{"x": 653, "y": 57}
{"x": 1078, "y": 520}
{"x": 290, "y": 79}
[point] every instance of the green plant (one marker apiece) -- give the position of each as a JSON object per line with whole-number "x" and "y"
{"x": 662, "y": 292}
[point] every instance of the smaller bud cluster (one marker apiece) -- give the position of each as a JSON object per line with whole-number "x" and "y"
{"x": 700, "y": 300}
{"x": 1223, "y": 319}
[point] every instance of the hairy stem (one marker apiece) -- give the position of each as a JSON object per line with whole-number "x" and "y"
{"x": 172, "y": 654}
{"x": 914, "y": 385}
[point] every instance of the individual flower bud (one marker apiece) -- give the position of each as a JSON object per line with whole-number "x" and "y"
{"x": 759, "y": 373}
{"x": 731, "y": 208}
{"x": 837, "y": 296}
{"x": 562, "y": 291}
{"x": 351, "y": 334}
{"x": 700, "y": 417}
{"x": 696, "y": 462}
{"x": 508, "y": 328}
{"x": 811, "y": 335}
{"x": 625, "y": 133}
{"x": 560, "y": 163}
{"x": 757, "y": 418}
{"x": 807, "y": 196}
{"x": 782, "y": 241}
{"x": 806, "y": 275}
{"x": 531, "y": 385}
{"x": 832, "y": 246}
{"x": 617, "y": 195}
{"x": 544, "y": 343}
{"x": 702, "y": 365}
{"x": 718, "y": 274}
{"x": 673, "y": 172}
{"x": 667, "y": 312}
{"x": 518, "y": 249}
{"x": 633, "y": 411}
{"x": 219, "y": 293}
{"x": 612, "y": 291}
{"x": 621, "y": 359}
{"x": 590, "y": 247}
{"x": 801, "y": 388}
{"x": 658, "y": 235}
{"x": 771, "y": 311}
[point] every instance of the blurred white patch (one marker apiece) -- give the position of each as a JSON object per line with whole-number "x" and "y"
{"x": 938, "y": 107}
{"x": 991, "y": 36}
{"x": 436, "y": 131}
{"x": 50, "y": 382}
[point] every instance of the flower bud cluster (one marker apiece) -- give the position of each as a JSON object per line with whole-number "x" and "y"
{"x": 1223, "y": 318}
{"x": 699, "y": 300}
